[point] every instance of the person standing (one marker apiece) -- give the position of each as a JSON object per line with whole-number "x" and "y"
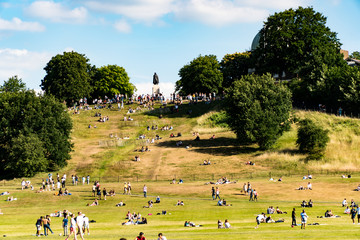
{"x": 251, "y": 195}
{"x": 86, "y": 225}
{"x": 23, "y": 184}
{"x": 65, "y": 225}
{"x": 358, "y": 213}
{"x": 145, "y": 191}
{"x": 213, "y": 193}
{"x": 129, "y": 188}
{"x": 293, "y": 218}
{"x": 161, "y": 237}
{"x": 104, "y": 193}
{"x": 46, "y": 225}
{"x": 80, "y": 223}
{"x": 217, "y": 193}
{"x": 245, "y": 189}
{"x": 88, "y": 179}
{"x": 38, "y": 226}
{"x": 72, "y": 227}
{"x": 304, "y": 218}
{"x": 353, "y": 213}
{"x": 255, "y": 194}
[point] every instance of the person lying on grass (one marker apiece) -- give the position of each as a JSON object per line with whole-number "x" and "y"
{"x": 191, "y": 224}
{"x": 278, "y": 211}
{"x": 120, "y": 204}
{"x": 95, "y": 203}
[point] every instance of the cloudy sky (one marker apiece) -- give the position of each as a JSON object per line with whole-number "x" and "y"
{"x": 145, "y": 36}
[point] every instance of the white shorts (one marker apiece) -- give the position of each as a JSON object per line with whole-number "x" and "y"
{"x": 38, "y": 227}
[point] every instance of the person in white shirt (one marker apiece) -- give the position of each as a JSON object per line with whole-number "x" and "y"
{"x": 72, "y": 227}
{"x": 344, "y": 202}
{"x": 309, "y": 186}
{"x": 22, "y": 184}
{"x": 80, "y": 223}
{"x": 161, "y": 237}
{"x": 86, "y": 224}
{"x": 227, "y": 224}
{"x": 259, "y": 219}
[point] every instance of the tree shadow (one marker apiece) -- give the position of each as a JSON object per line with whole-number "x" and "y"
{"x": 219, "y": 146}
{"x": 184, "y": 111}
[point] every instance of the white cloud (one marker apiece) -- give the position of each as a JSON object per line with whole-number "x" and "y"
{"x": 274, "y": 4}
{"x": 122, "y": 26}
{"x": 17, "y": 25}
{"x": 26, "y": 64}
{"x": 139, "y": 10}
{"x": 56, "y": 12}
{"x": 218, "y": 12}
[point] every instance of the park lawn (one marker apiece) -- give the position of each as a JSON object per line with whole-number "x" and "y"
{"x": 18, "y": 220}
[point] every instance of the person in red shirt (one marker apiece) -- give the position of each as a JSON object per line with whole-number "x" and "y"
{"x": 140, "y": 237}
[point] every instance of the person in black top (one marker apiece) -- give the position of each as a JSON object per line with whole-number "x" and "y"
{"x": 293, "y": 217}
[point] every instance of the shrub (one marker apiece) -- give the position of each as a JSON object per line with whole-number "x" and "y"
{"x": 312, "y": 139}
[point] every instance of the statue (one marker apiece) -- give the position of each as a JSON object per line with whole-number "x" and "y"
{"x": 155, "y": 79}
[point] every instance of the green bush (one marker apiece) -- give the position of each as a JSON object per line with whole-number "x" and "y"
{"x": 312, "y": 139}
{"x": 219, "y": 120}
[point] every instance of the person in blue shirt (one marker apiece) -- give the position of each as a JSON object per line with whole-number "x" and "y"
{"x": 65, "y": 226}
{"x": 304, "y": 217}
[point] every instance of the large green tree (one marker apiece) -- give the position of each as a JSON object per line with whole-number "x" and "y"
{"x": 34, "y": 134}
{"x": 68, "y": 77}
{"x": 110, "y": 80}
{"x": 355, "y": 55}
{"x": 202, "y": 75}
{"x": 296, "y": 42}
{"x": 13, "y": 84}
{"x": 258, "y": 109}
{"x": 234, "y": 66}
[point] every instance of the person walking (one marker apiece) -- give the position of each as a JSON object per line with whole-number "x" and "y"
{"x": 217, "y": 193}
{"x": 145, "y": 191}
{"x": 304, "y": 218}
{"x": 255, "y": 194}
{"x": 213, "y": 193}
{"x": 293, "y": 218}
{"x": 251, "y": 195}
{"x": 353, "y": 213}
{"x": 79, "y": 224}
{"x": 72, "y": 227}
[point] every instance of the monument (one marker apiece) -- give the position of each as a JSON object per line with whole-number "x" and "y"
{"x": 155, "y": 88}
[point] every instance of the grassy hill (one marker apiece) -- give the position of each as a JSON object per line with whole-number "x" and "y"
{"x": 99, "y": 154}
{"x": 110, "y": 159}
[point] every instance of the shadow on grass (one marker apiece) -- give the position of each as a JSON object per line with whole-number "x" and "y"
{"x": 184, "y": 110}
{"x": 220, "y": 146}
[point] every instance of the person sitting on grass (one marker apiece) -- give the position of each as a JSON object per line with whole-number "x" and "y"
{"x": 220, "y": 224}
{"x": 347, "y": 210}
{"x": 328, "y": 214}
{"x": 300, "y": 188}
{"x": 120, "y": 204}
{"x": 227, "y": 224}
{"x": 303, "y": 204}
{"x": 261, "y": 218}
{"x": 278, "y": 211}
{"x": 310, "y": 203}
{"x": 344, "y": 202}
{"x": 95, "y": 203}
{"x": 137, "y": 158}
{"x": 143, "y": 221}
{"x": 179, "y": 203}
{"x": 157, "y": 200}
{"x": 150, "y": 204}
{"x": 172, "y": 135}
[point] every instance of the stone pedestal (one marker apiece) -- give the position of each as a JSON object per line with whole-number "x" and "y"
{"x": 155, "y": 90}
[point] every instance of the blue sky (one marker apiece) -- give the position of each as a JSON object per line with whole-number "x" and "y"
{"x": 145, "y": 36}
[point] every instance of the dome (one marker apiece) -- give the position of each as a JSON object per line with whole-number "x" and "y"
{"x": 255, "y": 43}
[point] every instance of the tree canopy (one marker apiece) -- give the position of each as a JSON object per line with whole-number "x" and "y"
{"x": 355, "y": 55}
{"x": 296, "y": 42}
{"x": 13, "y": 84}
{"x": 258, "y": 109}
{"x": 201, "y": 75}
{"x": 34, "y": 136}
{"x": 234, "y": 66}
{"x": 68, "y": 77}
{"x": 110, "y": 80}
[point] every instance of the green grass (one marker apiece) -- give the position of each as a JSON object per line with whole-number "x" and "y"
{"x": 95, "y": 155}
